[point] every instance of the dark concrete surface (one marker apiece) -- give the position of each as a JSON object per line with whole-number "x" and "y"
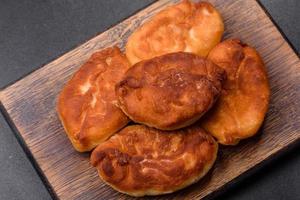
{"x": 34, "y": 32}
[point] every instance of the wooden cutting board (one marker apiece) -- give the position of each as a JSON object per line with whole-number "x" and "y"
{"x": 29, "y": 106}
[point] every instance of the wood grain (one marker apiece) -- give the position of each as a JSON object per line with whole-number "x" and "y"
{"x": 30, "y": 104}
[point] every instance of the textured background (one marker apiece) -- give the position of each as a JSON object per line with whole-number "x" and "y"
{"x": 33, "y": 33}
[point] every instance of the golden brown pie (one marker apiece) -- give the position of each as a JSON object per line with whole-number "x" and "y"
{"x": 145, "y": 161}
{"x": 242, "y": 106}
{"x": 170, "y": 91}
{"x": 86, "y": 105}
{"x": 186, "y": 26}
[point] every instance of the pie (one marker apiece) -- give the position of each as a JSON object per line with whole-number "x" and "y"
{"x": 170, "y": 91}
{"x": 86, "y": 105}
{"x": 242, "y": 106}
{"x": 143, "y": 161}
{"x": 186, "y": 26}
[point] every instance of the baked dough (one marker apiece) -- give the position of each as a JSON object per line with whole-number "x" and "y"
{"x": 142, "y": 161}
{"x": 170, "y": 91}
{"x": 242, "y": 106}
{"x": 86, "y": 105}
{"x": 186, "y": 26}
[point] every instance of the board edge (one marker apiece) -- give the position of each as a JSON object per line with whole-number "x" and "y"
{"x": 254, "y": 169}
{"x": 27, "y": 151}
{"x": 214, "y": 194}
{"x": 284, "y": 36}
{"x": 7, "y": 86}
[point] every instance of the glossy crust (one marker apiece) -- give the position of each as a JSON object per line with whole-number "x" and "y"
{"x": 86, "y": 105}
{"x": 186, "y": 26}
{"x": 170, "y": 91}
{"x": 242, "y": 106}
{"x": 145, "y": 161}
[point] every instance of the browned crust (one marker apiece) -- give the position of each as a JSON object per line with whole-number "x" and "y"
{"x": 145, "y": 161}
{"x": 186, "y": 26}
{"x": 86, "y": 103}
{"x": 170, "y": 91}
{"x": 242, "y": 106}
